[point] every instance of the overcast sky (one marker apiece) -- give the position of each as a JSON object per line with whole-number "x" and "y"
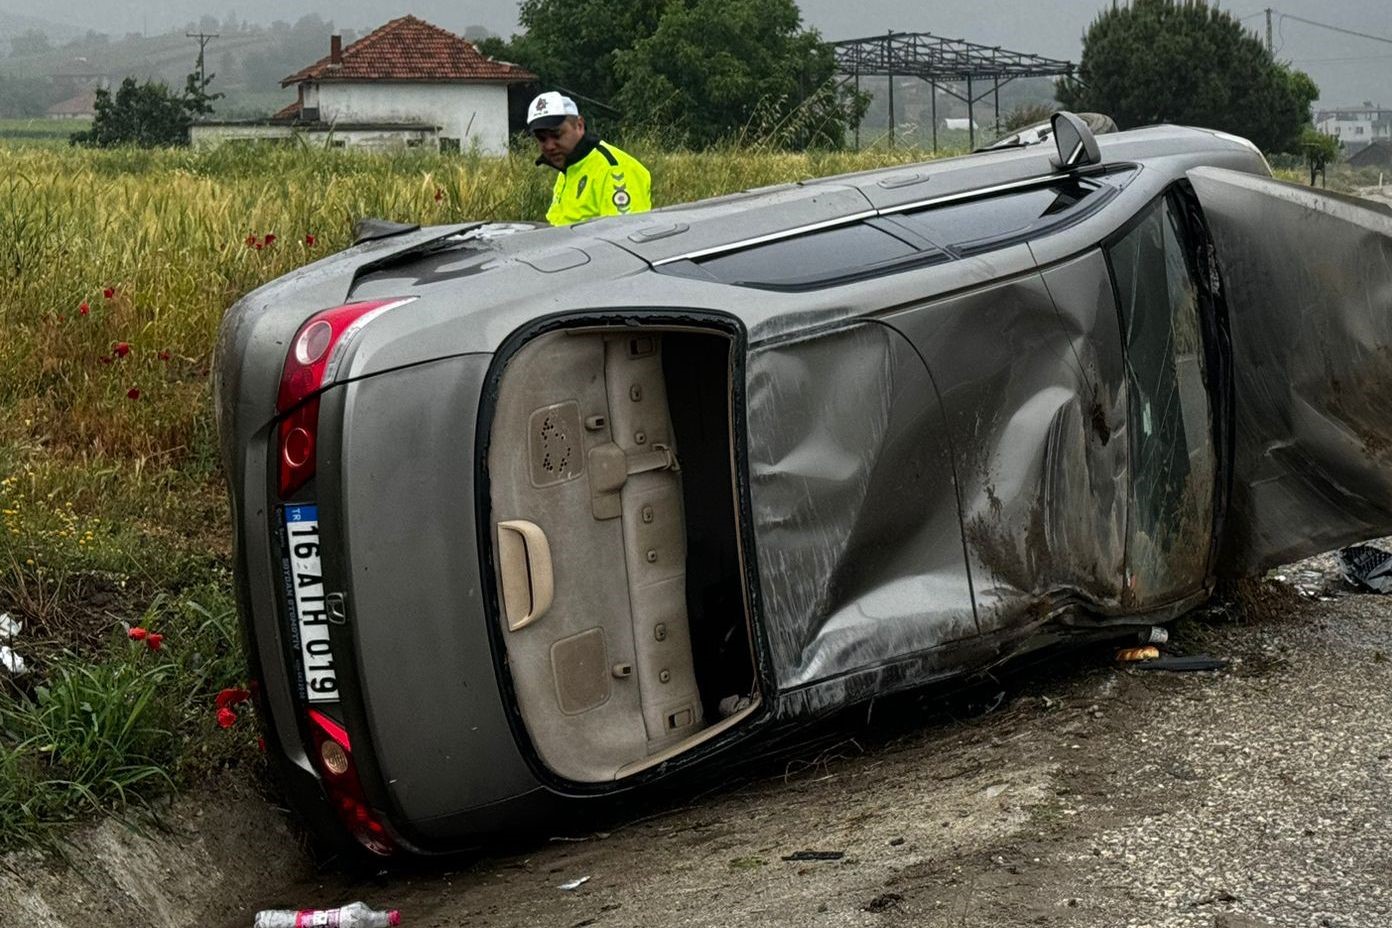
{"x": 1348, "y": 69}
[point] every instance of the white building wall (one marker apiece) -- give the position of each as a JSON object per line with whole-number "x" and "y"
{"x": 472, "y": 113}
{"x": 203, "y": 135}
{"x": 1357, "y": 126}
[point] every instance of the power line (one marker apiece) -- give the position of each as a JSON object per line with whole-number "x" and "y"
{"x": 1311, "y": 22}
{"x": 1347, "y": 58}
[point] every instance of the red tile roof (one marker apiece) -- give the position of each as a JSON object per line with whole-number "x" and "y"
{"x": 288, "y": 113}
{"x": 84, "y": 104}
{"x": 411, "y": 49}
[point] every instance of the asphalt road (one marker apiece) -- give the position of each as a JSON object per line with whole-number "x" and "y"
{"x": 1092, "y": 794}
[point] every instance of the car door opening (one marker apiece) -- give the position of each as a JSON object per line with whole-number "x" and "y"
{"x": 616, "y": 547}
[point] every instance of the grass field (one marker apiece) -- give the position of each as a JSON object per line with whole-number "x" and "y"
{"x": 36, "y": 132}
{"x": 115, "y": 268}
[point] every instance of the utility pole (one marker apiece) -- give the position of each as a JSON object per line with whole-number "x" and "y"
{"x": 889, "y": 67}
{"x": 1270, "y": 48}
{"x": 203, "y": 39}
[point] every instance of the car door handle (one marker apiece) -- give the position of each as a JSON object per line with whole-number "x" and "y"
{"x": 524, "y": 560}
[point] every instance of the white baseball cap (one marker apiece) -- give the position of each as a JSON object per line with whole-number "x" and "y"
{"x": 549, "y": 110}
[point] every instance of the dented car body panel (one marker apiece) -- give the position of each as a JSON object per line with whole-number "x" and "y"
{"x": 600, "y": 507}
{"x": 1309, "y": 282}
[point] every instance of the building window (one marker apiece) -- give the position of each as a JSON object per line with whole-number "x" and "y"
{"x": 413, "y": 143}
{"x": 449, "y": 145}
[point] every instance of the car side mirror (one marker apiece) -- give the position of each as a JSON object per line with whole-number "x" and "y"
{"x": 1077, "y": 148}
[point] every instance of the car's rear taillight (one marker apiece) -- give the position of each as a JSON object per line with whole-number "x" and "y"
{"x": 333, "y": 756}
{"x": 311, "y": 364}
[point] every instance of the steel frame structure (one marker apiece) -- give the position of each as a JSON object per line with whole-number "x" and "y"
{"x": 943, "y": 63}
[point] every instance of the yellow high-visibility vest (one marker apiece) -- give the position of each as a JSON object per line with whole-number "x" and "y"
{"x": 600, "y": 180}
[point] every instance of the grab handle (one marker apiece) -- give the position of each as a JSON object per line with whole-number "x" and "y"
{"x": 524, "y": 559}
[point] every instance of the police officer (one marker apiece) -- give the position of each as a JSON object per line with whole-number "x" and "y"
{"x": 596, "y": 179}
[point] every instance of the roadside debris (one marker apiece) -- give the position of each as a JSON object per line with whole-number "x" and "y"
{"x": 354, "y": 915}
{"x": 1149, "y": 657}
{"x": 1153, "y": 635}
{"x": 883, "y": 902}
{"x": 815, "y": 855}
{"x": 1367, "y": 567}
{"x": 571, "y": 886}
{"x": 1183, "y": 663}
{"x": 576, "y": 839}
{"x": 9, "y": 631}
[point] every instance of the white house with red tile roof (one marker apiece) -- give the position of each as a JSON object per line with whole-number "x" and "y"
{"x": 408, "y": 83}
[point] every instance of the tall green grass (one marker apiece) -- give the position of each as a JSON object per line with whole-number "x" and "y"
{"x": 111, "y": 508}
{"x": 38, "y": 132}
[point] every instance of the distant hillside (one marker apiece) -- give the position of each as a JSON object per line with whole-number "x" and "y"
{"x": 17, "y": 24}
{"x": 247, "y": 62}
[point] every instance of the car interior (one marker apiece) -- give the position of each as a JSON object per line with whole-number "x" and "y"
{"x": 617, "y": 546}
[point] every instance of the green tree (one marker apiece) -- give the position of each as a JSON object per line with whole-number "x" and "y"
{"x": 1182, "y": 61}
{"x": 149, "y": 115}
{"x": 574, "y": 43}
{"x": 30, "y": 96}
{"x": 1319, "y": 150}
{"x": 716, "y": 68}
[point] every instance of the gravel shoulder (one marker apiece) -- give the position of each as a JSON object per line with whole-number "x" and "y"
{"x": 1078, "y": 793}
{"x": 1091, "y": 795}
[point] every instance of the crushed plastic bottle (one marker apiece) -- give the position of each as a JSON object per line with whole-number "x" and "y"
{"x": 356, "y": 915}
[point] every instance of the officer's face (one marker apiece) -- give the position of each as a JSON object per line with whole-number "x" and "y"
{"x": 557, "y": 144}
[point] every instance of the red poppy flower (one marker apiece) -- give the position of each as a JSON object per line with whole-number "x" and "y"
{"x": 259, "y": 246}
{"x": 231, "y": 696}
{"x": 439, "y": 194}
{"x": 154, "y": 640}
{"x": 133, "y": 393}
{"x": 310, "y": 240}
{"x": 270, "y": 237}
{"x": 120, "y": 349}
{"x": 261, "y": 744}
{"x": 83, "y": 309}
{"x": 250, "y": 241}
{"x": 165, "y": 355}
{"x": 226, "y": 717}
{"x": 137, "y": 634}
{"x": 109, "y": 292}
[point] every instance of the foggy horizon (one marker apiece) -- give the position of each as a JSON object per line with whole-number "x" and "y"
{"x": 1348, "y": 69}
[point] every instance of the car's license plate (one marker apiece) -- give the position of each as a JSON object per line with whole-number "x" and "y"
{"x": 304, "y": 580}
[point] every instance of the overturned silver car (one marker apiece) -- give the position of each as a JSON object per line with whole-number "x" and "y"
{"x": 525, "y": 521}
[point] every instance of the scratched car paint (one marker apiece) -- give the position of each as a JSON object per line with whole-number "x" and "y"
{"x": 609, "y": 507}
